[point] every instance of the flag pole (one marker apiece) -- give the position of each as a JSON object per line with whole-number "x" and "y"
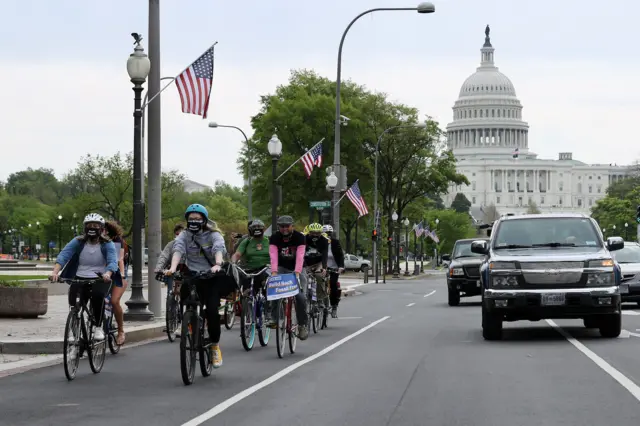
{"x": 296, "y": 162}
{"x": 173, "y": 80}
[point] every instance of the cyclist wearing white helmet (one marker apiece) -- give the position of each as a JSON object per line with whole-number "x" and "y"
{"x": 336, "y": 261}
{"x": 83, "y": 258}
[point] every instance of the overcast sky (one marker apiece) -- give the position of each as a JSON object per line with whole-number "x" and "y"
{"x": 65, "y": 91}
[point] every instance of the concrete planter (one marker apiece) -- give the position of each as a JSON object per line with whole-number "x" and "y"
{"x": 23, "y": 302}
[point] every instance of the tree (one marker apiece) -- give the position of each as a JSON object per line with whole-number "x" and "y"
{"x": 461, "y": 203}
{"x": 610, "y": 211}
{"x": 40, "y": 184}
{"x": 490, "y": 213}
{"x": 532, "y": 208}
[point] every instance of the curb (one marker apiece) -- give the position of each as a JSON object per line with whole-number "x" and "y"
{"x": 54, "y": 346}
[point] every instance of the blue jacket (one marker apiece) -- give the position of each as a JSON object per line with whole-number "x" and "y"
{"x": 70, "y": 255}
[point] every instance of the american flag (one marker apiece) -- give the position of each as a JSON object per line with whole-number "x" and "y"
{"x": 194, "y": 85}
{"x": 313, "y": 157}
{"x": 356, "y": 199}
{"x": 419, "y": 230}
{"x": 516, "y": 152}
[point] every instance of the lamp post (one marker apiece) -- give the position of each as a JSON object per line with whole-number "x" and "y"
{"x": 332, "y": 182}
{"x": 406, "y": 246}
{"x": 626, "y": 231}
{"x": 425, "y": 7}
{"x": 59, "y": 233}
{"x": 435, "y": 248}
{"x": 275, "y": 150}
{"x": 416, "y": 267}
{"x": 138, "y": 67}
{"x": 38, "y": 238}
{"x": 215, "y": 125}
{"x": 375, "y": 189}
{"x": 396, "y": 263}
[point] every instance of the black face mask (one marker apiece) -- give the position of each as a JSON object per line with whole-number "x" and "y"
{"x": 92, "y": 233}
{"x": 258, "y": 233}
{"x": 314, "y": 239}
{"x": 195, "y": 225}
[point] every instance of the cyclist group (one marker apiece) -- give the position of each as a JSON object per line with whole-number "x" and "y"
{"x": 198, "y": 249}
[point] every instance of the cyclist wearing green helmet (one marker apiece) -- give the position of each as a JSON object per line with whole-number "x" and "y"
{"x": 315, "y": 260}
{"x": 203, "y": 247}
{"x": 254, "y": 250}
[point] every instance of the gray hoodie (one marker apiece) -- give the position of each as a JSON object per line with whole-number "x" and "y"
{"x": 195, "y": 260}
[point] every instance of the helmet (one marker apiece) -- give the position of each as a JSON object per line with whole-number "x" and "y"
{"x": 256, "y": 224}
{"x": 315, "y": 227}
{"x": 285, "y": 220}
{"x": 93, "y": 218}
{"x": 197, "y": 208}
{"x": 327, "y": 228}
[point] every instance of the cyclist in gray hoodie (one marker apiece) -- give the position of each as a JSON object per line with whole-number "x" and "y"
{"x": 164, "y": 260}
{"x": 204, "y": 247}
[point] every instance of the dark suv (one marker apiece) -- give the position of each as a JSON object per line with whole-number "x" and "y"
{"x": 463, "y": 277}
{"x": 549, "y": 266}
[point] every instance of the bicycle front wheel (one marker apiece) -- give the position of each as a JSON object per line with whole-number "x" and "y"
{"x": 292, "y": 330}
{"x": 229, "y": 315}
{"x": 71, "y": 345}
{"x": 188, "y": 346}
{"x": 264, "y": 332}
{"x": 171, "y": 314}
{"x": 281, "y": 326}
{"x": 247, "y": 324}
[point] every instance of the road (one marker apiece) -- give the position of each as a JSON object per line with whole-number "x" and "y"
{"x": 399, "y": 356}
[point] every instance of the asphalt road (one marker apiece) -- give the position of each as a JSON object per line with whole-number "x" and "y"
{"x": 418, "y": 362}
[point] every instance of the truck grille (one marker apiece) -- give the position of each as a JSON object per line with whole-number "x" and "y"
{"x": 472, "y": 271}
{"x": 550, "y": 273}
{"x": 628, "y": 277}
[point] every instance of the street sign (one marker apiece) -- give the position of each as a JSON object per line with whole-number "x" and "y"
{"x": 320, "y": 204}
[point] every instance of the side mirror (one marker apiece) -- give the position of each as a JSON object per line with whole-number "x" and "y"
{"x": 446, "y": 257}
{"x": 480, "y": 247}
{"x": 615, "y": 243}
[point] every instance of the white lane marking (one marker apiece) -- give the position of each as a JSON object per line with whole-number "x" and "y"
{"x": 269, "y": 380}
{"x": 66, "y": 405}
{"x": 634, "y": 334}
{"x": 429, "y": 294}
{"x": 630, "y": 313}
{"x": 410, "y": 304}
{"x": 626, "y": 383}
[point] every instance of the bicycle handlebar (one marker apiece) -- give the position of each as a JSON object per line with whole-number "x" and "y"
{"x": 248, "y": 275}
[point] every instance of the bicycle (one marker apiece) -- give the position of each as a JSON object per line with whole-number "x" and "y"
{"x": 78, "y": 331}
{"x": 252, "y": 313}
{"x": 194, "y": 318}
{"x": 285, "y": 319}
{"x": 325, "y": 302}
{"x": 173, "y": 314}
{"x": 110, "y": 331}
{"x": 232, "y": 307}
{"x": 329, "y": 272}
{"x": 312, "y": 303}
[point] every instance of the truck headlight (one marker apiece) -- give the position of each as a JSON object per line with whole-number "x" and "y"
{"x": 506, "y": 281}
{"x": 456, "y": 272}
{"x": 601, "y": 279}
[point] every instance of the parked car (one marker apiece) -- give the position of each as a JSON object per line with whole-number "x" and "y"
{"x": 352, "y": 262}
{"x": 549, "y": 266}
{"x": 463, "y": 274}
{"x": 629, "y": 260}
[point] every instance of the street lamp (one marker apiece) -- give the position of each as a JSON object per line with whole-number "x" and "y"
{"x": 435, "y": 249}
{"x": 396, "y": 263}
{"x": 275, "y": 150}
{"x": 138, "y": 67}
{"x": 406, "y": 246}
{"x": 375, "y": 190}
{"x": 626, "y": 231}
{"x": 38, "y": 239}
{"x": 215, "y": 125}
{"x": 59, "y": 233}
{"x": 424, "y": 7}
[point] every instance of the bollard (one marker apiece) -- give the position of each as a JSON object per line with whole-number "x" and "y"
{"x": 366, "y": 274}
{"x": 416, "y": 269}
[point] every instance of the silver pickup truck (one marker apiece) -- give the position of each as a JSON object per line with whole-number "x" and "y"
{"x": 545, "y": 266}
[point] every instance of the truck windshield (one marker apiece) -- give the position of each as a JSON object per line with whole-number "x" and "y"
{"x": 546, "y": 232}
{"x": 463, "y": 249}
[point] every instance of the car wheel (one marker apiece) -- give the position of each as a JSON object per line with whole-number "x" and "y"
{"x": 363, "y": 267}
{"x": 611, "y": 325}
{"x": 491, "y": 325}
{"x": 454, "y": 297}
{"x": 590, "y": 322}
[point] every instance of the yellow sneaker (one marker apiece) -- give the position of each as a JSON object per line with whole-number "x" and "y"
{"x": 215, "y": 355}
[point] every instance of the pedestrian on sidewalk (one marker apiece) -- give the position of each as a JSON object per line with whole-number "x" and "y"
{"x": 114, "y": 232}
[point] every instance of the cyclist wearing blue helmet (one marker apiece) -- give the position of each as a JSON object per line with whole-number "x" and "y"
{"x": 203, "y": 247}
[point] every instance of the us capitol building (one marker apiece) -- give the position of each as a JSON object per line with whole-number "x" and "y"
{"x": 488, "y": 129}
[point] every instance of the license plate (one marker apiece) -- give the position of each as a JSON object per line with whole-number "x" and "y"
{"x": 624, "y": 288}
{"x": 557, "y": 299}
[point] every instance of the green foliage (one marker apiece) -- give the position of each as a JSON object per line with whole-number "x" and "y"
{"x": 10, "y": 283}
{"x": 461, "y": 203}
{"x": 452, "y": 226}
{"x": 532, "y": 208}
{"x": 619, "y": 206}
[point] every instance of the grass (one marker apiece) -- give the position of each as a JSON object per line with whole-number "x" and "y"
{"x": 9, "y": 283}
{"x": 22, "y": 277}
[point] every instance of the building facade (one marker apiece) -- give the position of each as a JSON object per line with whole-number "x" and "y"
{"x": 488, "y": 129}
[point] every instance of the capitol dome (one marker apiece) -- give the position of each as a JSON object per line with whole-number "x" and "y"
{"x": 487, "y": 117}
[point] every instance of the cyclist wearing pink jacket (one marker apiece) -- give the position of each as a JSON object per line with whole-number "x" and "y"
{"x": 286, "y": 250}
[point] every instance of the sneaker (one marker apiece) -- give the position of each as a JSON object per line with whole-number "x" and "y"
{"x": 98, "y": 333}
{"x": 303, "y": 332}
{"x": 215, "y": 354}
{"x": 334, "y": 312}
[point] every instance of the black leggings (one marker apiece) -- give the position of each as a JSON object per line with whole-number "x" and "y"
{"x": 335, "y": 294}
{"x": 95, "y": 294}
{"x": 210, "y": 292}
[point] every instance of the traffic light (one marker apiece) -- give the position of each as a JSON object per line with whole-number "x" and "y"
{"x": 374, "y": 235}
{"x": 389, "y": 240}
{"x": 638, "y": 214}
